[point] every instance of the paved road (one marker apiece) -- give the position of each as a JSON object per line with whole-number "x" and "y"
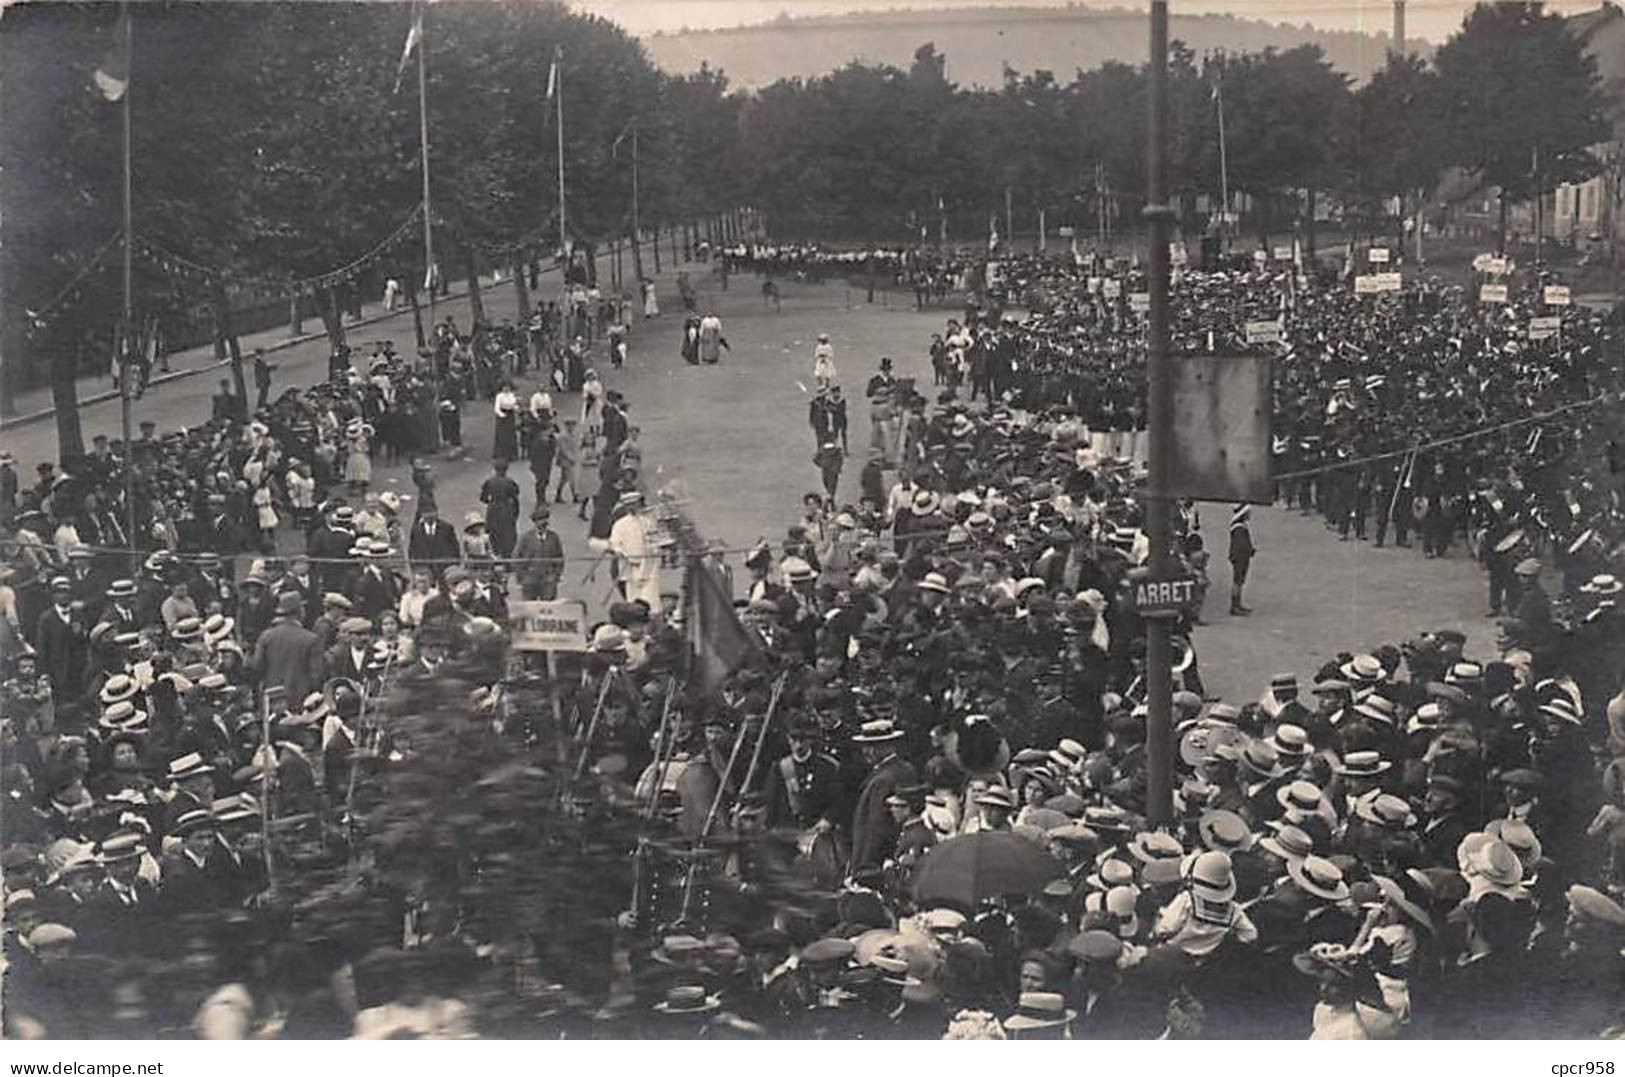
{"x": 734, "y": 438}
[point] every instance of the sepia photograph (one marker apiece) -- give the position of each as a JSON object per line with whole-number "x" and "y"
{"x": 812, "y": 520}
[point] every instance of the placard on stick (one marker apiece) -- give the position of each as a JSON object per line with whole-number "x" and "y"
{"x": 1221, "y": 429}
{"x": 560, "y": 625}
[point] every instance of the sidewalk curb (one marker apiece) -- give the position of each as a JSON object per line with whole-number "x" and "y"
{"x": 29, "y": 418}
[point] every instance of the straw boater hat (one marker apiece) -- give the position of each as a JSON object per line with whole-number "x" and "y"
{"x": 1302, "y": 796}
{"x": 687, "y": 999}
{"x": 1362, "y": 764}
{"x": 118, "y": 688}
{"x": 1384, "y": 810}
{"x": 1039, "y": 1009}
{"x": 1224, "y": 831}
{"x": 1290, "y": 741}
{"x": 1318, "y": 876}
{"x": 879, "y": 731}
{"x": 1289, "y": 843}
{"x": 1520, "y": 837}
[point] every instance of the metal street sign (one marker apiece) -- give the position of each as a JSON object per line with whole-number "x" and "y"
{"x": 560, "y": 625}
{"x": 1164, "y": 598}
{"x": 1492, "y": 293}
{"x": 1557, "y": 295}
{"x": 1542, "y": 328}
{"x": 1378, "y": 255}
{"x": 1263, "y": 332}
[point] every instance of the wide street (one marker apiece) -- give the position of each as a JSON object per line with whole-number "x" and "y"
{"x": 733, "y": 440}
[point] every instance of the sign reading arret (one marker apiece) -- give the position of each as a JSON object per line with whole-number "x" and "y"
{"x": 560, "y": 625}
{"x": 1164, "y": 598}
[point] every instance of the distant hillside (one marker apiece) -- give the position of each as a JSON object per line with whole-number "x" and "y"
{"x": 980, "y": 41}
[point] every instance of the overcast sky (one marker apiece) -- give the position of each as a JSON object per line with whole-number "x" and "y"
{"x": 1430, "y": 19}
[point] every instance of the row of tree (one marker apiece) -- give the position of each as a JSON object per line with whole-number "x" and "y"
{"x": 271, "y": 141}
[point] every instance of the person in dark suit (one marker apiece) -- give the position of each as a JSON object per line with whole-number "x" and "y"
{"x": 373, "y": 589}
{"x": 348, "y": 657}
{"x": 330, "y": 540}
{"x": 539, "y": 557}
{"x": 301, "y": 581}
{"x": 874, "y": 831}
{"x": 500, "y": 496}
{"x": 1241, "y": 555}
{"x": 63, "y": 641}
{"x": 433, "y": 542}
{"x": 289, "y": 655}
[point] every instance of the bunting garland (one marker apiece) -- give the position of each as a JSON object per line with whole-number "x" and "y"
{"x": 539, "y": 240}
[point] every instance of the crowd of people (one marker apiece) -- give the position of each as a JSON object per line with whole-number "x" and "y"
{"x": 899, "y": 788}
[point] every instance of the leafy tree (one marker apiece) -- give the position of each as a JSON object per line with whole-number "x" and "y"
{"x": 1520, "y": 100}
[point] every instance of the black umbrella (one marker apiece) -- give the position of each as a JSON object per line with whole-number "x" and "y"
{"x": 968, "y": 870}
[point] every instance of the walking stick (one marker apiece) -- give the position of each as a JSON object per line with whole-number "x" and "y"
{"x": 1402, "y": 480}
{"x": 592, "y": 727}
{"x": 666, "y": 750}
{"x": 710, "y": 819}
{"x": 265, "y": 793}
{"x": 761, "y": 735}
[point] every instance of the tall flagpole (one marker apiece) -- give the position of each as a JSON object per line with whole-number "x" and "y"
{"x": 125, "y": 345}
{"x": 1224, "y": 159}
{"x": 429, "y": 275}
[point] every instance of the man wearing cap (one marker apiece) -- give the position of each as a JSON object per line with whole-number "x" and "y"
{"x": 539, "y": 557}
{"x": 288, "y": 655}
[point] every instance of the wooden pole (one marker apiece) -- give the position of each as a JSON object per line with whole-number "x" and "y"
{"x": 761, "y": 736}
{"x": 592, "y": 727}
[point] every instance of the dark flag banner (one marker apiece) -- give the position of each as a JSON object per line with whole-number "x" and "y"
{"x": 718, "y": 643}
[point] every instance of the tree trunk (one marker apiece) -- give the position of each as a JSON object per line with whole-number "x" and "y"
{"x": 1309, "y": 236}
{"x": 12, "y": 338}
{"x": 1501, "y": 225}
{"x": 296, "y": 317}
{"x": 476, "y": 301}
{"x": 637, "y": 258}
{"x": 332, "y": 317}
{"x": 688, "y": 241}
{"x": 225, "y": 342}
{"x": 417, "y": 312}
{"x": 655, "y": 246}
{"x": 592, "y": 263}
{"x": 70, "y": 439}
{"x": 674, "y": 262}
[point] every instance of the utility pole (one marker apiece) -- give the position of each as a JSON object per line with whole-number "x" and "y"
{"x": 1399, "y": 28}
{"x": 129, "y": 304}
{"x": 431, "y": 279}
{"x": 1159, "y": 217}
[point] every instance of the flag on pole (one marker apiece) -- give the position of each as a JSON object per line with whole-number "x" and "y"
{"x": 414, "y": 38}
{"x": 553, "y": 71}
{"x": 718, "y": 642}
{"x": 112, "y": 75}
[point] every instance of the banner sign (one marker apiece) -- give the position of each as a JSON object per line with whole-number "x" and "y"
{"x": 1263, "y": 332}
{"x": 1390, "y": 282}
{"x": 1378, "y": 255}
{"x": 1111, "y": 288}
{"x": 1490, "y": 263}
{"x": 1066, "y": 231}
{"x": 1492, "y": 293}
{"x": 1557, "y": 295}
{"x": 1542, "y": 328}
{"x": 560, "y": 625}
{"x": 1283, "y": 254}
{"x": 1139, "y": 302}
{"x": 1366, "y": 284}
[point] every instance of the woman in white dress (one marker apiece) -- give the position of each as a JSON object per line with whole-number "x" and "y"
{"x": 358, "y": 464}
{"x": 592, "y": 399}
{"x": 651, "y": 302}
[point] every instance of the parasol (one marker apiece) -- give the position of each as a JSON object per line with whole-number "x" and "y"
{"x": 967, "y": 870}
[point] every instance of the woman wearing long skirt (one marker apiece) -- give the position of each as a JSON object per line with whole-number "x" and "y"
{"x": 358, "y": 463}
{"x": 505, "y": 444}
